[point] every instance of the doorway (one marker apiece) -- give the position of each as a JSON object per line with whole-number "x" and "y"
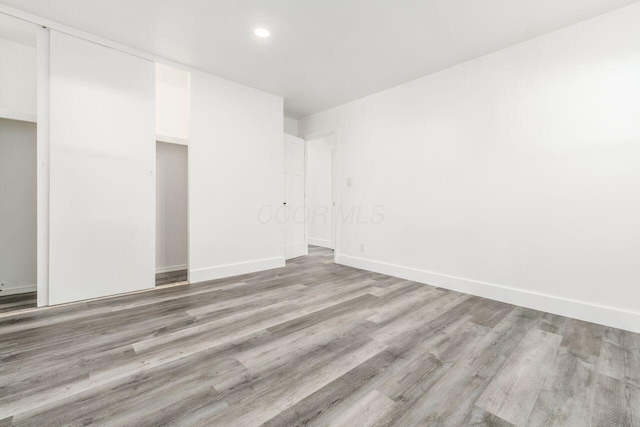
{"x": 294, "y": 203}
{"x": 320, "y": 191}
{"x": 171, "y": 213}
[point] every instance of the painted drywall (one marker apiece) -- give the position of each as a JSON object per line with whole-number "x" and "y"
{"x": 513, "y": 176}
{"x": 320, "y": 190}
{"x": 291, "y": 126}
{"x": 17, "y": 207}
{"x": 17, "y": 80}
{"x": 171, "y": 207}
{"x": 235, "y": 174}
{"x": 103, "y": 159}
{"x": 172, "y": 103}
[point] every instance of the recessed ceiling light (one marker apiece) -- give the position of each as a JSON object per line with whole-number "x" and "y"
{"x": 262, "y": 32}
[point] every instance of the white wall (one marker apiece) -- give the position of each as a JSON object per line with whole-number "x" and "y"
{"x": 171, "y": 207}
{"x": 235, "y": 170}
{"x": 291, "y": 126}
{"x": 513, "y": 176}
{"x": 320, "y": 190}
{"x": 172, "y": 103}
{"x": 17, "y": 207}
{"x": 17, "y": 81}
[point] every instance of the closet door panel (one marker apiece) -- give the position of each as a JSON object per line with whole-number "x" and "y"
{"x": 102, "y": 206}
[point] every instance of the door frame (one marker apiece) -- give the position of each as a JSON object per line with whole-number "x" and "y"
{"x": 335, "y": 192}
{"x": 43, "y": 146}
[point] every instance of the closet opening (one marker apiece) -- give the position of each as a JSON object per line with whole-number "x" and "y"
{"x": 18, "y": 165}
{"x": 18, "y": 208}
{"x": 172, "y": 175}
{"x": 171, "y": 213}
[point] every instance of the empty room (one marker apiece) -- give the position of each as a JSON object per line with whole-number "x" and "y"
{"x": 320, "y": 213}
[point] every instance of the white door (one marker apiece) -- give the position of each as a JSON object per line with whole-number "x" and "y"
{"x": 102, "y": 206}
{"x": 295, "y": 214}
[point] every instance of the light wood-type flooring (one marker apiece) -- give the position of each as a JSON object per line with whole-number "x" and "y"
{"x": 313, "y": 343}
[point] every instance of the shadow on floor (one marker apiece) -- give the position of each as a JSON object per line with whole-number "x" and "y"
{"x": 17, "y": 302}
{"x": 171, "y": 277}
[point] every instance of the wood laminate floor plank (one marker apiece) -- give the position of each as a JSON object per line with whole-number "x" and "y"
{"x": 15, "y": 302}
{"x": 567, "y": 394}
{"x": 512, "y": 394}
{"x": 313, "y": 343}
{"x": 170, "y": 277}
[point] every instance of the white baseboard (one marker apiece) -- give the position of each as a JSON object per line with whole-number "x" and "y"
{"x": 18, "y": 290}
{"x": 319, "y": 242}
{"x": 594, "y": 313}
{"x": 171, "y": 268}
{"x": 229, "y": 270}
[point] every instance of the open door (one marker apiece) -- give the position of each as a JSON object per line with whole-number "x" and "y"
{"x": 295, "y": 211}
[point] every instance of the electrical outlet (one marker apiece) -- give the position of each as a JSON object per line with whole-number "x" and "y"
{"x": 361, "y": 247}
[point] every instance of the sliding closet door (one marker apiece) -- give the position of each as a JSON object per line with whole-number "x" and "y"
{"x": 102, "y": 207}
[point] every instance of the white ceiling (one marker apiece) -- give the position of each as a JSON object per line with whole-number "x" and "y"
{"x": 322, "y": 53}
{"x": 17, "y": 31}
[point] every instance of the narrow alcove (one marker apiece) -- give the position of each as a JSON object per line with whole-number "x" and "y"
{"x": 172, "y": 129}
{"x": 171, "y": 213}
